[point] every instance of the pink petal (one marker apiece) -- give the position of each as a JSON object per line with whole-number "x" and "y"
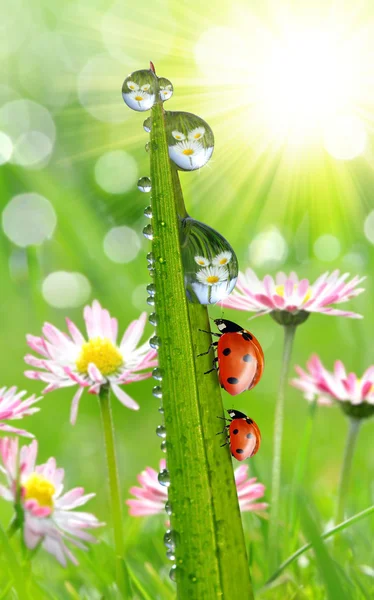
{"x": 124, "y": 398}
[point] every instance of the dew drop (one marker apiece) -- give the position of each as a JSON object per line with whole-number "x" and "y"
{"x": 209, "y": 262}
{"x": 148, "y": 212}
{"x": 163, "y": 445}
{"x": 192, "y": 578}
{"x": 157, "y": 372}
{"x": 173, "y": 573}
{"x": 150, "y": 258}
{"x": 157, "y": 391}
{"x": 166, "y": 88}
{"x": 139, "y": 90}
{"x": 168, "y": 508}
{"x": 161, "y": 431}
{"x": 190, "y": 140}
{"x": 170, "y": 555}
{"x": 161, "y": 410}
{"x": 147, "y": 147}
{"x": 164, "y": 478}
{"x": 144, "y": 184}
{"x": 148, "y": 232}
{"x": 153, "y": 319}
{"x": 151, "y": 289}
{"x": 147, "y": 125}
{"x": 171, "y": 539}
{"x": 155, "y": 342}
{"x": 151, "y": 301}
{"x": 161, "y": 260}
{"x": 151, "y": 270}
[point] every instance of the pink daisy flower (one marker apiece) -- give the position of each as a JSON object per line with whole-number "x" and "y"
{"x": 74, "y": 361}
{"x": 355, "y": 393}
{"x": 13, "y": 405}
{"x": 48, "y": 517}
{"x": 152, "y": 496}
{"x": 291, "y": 295}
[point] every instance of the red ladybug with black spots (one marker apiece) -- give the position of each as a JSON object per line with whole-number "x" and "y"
{"x": 243, "y": 435}
{"x": 239, "y": 356}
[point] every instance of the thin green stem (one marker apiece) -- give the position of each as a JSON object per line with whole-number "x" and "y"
{"x": 289, "y": 334}
{"x": 327, "y": 534}
{"x": 300, "y": 467}
{"x": 345, "y": 473}
{"x": 114, "y": 488}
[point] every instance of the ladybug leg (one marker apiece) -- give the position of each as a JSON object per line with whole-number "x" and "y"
{"x": 211, "y": 333}
{"x": 212, "y": 345}
{"x": 215, "y": 367}
{"x": 226, "y": 442}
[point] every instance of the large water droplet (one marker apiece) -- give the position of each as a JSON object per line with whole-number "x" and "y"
{"x": 170, "y": 554}
{"x": 190, "y": 140}
{"x": 151, "y": 289}
{"x": 151, "y": 301}
{"x": 163, "y": 445}
{"x": 209, "y": 262}
{"x": 157, "y": 391}
{"x": 148, "y": 232}
{"x": 157, "y": 372}
{"x": 161, "y": 431}
{"x": 168, "y": 508}
{"x": 155, "y": 342}
{"x": 153, "y": 319}
{"x": 171, "y": 539}
{"x": 164, "y": 478}
{"x": 150, "y": 258}
{"x": 139, "y": 90}
{"x": 144, "y": 184}
{"x": 166, "y": 88}
{"x": 147, "y": 125}
{"x": 173, "y": 573}
{"x": 148, "y": 212}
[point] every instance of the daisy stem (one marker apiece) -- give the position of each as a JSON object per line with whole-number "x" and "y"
{"x": 289, "y": 334}
{"x": 350, "y": 443}
{"x": 115, "y": 494}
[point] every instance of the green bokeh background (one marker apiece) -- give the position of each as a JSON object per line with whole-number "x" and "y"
{"x": 57, "y": 54}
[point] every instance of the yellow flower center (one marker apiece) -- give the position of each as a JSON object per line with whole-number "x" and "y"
{"x": 197, "y": 136}
{"x": 280, "y": 291}
{"x": 102, "y": 353}
{"x": 223, "y": 261}
{"x": 139, "y": 98}
{"x": 39, "y": 488}
{"x": 132, "y": 87}
{"x": 188, "y": 152}
{"x": 201, "y": 262}
{"x": 212, "y": 279}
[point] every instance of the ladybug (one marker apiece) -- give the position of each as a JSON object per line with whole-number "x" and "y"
{"x": 243, "y": 435}
{"x": 239, "y": 356}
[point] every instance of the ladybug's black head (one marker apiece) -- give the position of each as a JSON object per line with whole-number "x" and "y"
{"x": 227, "y": 326}
{"x": 236, "y": 414}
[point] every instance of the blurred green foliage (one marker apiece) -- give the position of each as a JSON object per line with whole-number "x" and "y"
{"x": 66, "y": 54}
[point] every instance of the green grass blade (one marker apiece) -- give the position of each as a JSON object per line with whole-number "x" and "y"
{"x": 331, "y": 532}
{"x": 211, "y": 552}
{"x": 14, "y": 567}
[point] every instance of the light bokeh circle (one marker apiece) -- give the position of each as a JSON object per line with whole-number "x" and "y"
{"x": 122, "y": 244}
{"x": 116, "y": 172}
{"x": 327, "y": 248}
{"x": 29, "y": 219}
{"x": 63, "y": 289}
{"x": 345, "y": 137}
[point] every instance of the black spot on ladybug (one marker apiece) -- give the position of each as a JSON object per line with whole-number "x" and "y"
{"x": 247, "y": 336}
{"x": 232, "y": 380}
{"x": 247, "y": 358}
{"x": 226, "y": 351}
{"x": 235, "y": 431}
{"x": 239, "y": 451}
{"x": 249, "y": 435}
